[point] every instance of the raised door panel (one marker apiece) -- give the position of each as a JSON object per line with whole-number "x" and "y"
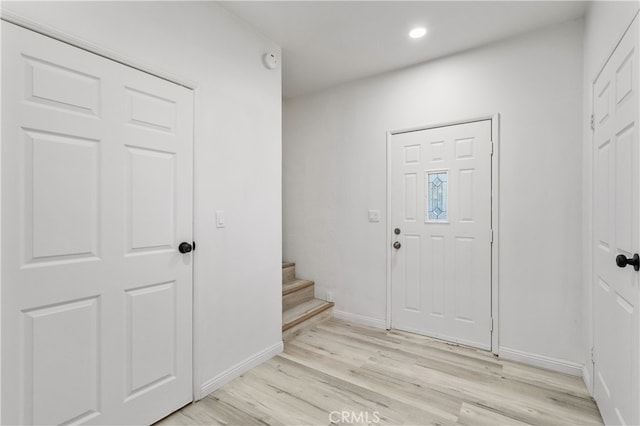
{"x": 605, "y": 358}
{"x": 614, "y": 323}
{"x": 151, "y": 200}
{"x": 413, "y": 260}
{"x": 62, "y": 196}
{"x": 412, "y": 154}
{"x": 625, "y": 197}
{"x": 623, "y": 202}
{"x": 602, "y": 102}
{"x": 61, "y": 87}
{"x": 61, "y": 375}
{"x": 623, "y": 374}
{"x": 151, "y": 111}
{"x": 410, "y": 192}
{"x": 466, "y": 190}
{"x": 436, "y": 268}
{"x": 624, "y": 78}
{"x": 464, "y": 148}
{"x": 602, "y": 193}
{"x": 437, "y": 151}
{"x": 151, "y": 337}
{"x": 464, "y": 297}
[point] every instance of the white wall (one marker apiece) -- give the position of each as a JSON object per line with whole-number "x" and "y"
{"x": 334, "y": 170}
{"x": 237, "y": 159}
{"x": 605, "y": 23}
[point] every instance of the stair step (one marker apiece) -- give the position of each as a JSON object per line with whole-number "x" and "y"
{"x": 295, "y": 285}
{"x": 288, "y": 264}
{"x": 304, "y": 311}
{"x": 312, "y": 322}
{"x": 300, "y": 295}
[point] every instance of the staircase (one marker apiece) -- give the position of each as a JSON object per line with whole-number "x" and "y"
{"x": 300, "y": 309}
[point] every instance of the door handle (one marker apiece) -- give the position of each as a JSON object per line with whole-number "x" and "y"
{"x": 397, "y": 245}
{"x": 185, "y": 247}
{"x": 622, "y": 261}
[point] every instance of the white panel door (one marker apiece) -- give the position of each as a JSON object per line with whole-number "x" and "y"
{"x": 441, "y": 209}
{"x": 616, "y": 199}
{"x": 96, "y": 196}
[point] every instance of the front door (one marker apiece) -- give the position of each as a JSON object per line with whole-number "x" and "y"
{"x": 616, "y": 323}
{"x": 441, "y": 229}
{"x": 96, "y": 196}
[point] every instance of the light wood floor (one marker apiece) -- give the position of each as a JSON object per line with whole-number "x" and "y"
{"x": 401, "y": 378}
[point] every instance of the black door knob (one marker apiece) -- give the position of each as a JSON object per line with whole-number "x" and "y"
{"x": 397, "y": 245}
{"x": 185, "y": 247}
{"x": 622, "y": 261}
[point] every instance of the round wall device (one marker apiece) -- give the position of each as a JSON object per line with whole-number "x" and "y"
{"x": 270, "y": 60}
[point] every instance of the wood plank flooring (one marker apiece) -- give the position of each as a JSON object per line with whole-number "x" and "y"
{"x": 342, "y": 373}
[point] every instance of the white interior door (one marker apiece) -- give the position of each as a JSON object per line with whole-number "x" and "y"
{"x": 441, "y": 207}
{"x": 616, "y": 199}
{"x": 96, "y": 196}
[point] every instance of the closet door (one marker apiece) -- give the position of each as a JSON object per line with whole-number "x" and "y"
{"x": 96, "y": 198}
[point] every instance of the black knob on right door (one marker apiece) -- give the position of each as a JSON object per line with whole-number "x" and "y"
{"x": 622, "y": 261}
{"x": 185, "y": 247}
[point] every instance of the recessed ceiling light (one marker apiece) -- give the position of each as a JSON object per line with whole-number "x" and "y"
{"x": 417, "y": 32}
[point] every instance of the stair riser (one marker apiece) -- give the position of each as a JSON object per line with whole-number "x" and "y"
{"x": 288, "y": 274}
{"x": 297, "y": 297}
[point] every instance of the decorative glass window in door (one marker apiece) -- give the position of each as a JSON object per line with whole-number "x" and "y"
{"x": 437, "y": 194}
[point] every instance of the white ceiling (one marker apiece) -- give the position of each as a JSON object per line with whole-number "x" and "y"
{"x": 325, "y": 43}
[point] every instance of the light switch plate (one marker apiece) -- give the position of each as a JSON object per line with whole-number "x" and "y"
{"x": 220, "y": 219}
{"x": 374, "y": 215}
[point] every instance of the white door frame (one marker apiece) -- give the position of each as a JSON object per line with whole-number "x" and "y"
{"x": 495, "y": 193}
{"x": 104, "y": 52}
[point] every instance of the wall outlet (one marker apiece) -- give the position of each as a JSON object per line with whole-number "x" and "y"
{"x": 329, "y": 296}
{"x": 374, "y": 215}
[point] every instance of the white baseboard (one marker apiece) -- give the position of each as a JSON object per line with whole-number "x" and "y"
{"x": 238, "y": 369}
{"x": 360, "y": 319}
{"x": 554, "y": 364}
{"x": 586, "y": 377}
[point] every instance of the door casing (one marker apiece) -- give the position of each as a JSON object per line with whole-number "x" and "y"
{"x": 495, "y": 174}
